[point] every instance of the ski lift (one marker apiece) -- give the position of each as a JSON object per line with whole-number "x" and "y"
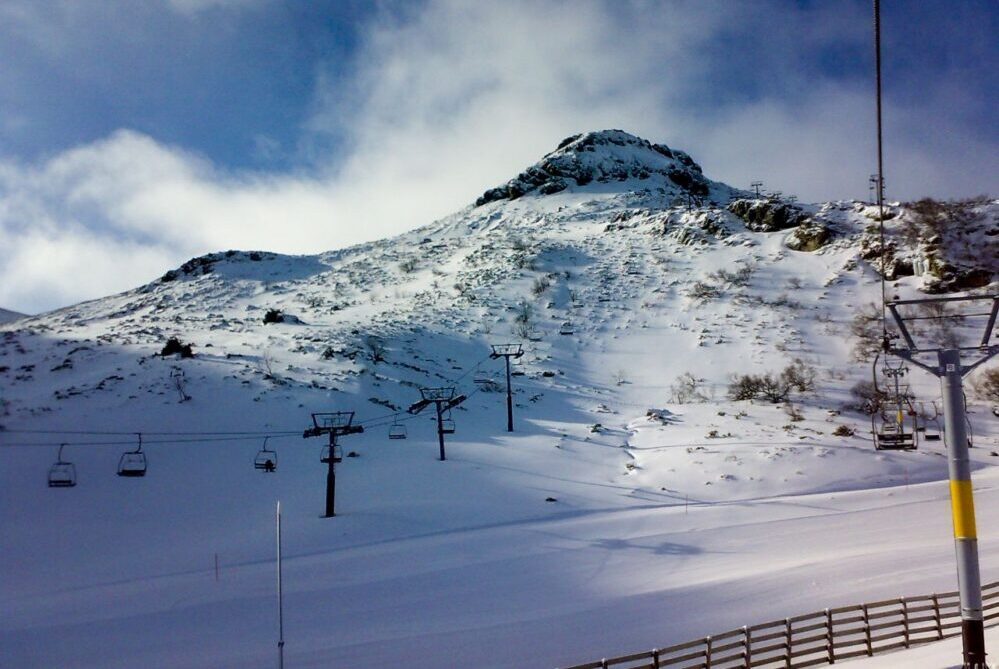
{"x": 447, "y": 424}
{"x": 534, "y": 335}
{"x": 397, "y": 431}
{"x": 935, "y": 419}
{"x": 888, "y": 423}
{"x": 566, "y": 329}
{"x": 266, "y": 458}
{"x": 324, "y": 455}
{"x": 482, "y": 378}
{"x": 133, "y": 463}
{"x": 62, "y": 474}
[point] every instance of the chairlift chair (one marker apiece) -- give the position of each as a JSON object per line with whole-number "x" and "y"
{"x": 566, "y": 329}
{"x": 266, "y": 459}
{"x": 397, "y": 431}
{"x": 482, "y": 378}
{"x": 133, "y": 463}
{"x": 888, "y": 426}
{"x": 62, "y": 474}
{"x": 447, "y": 423}
{"x": 324, "y": 455}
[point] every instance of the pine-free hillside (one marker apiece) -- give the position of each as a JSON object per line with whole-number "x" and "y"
{"x": 691, "y": 449}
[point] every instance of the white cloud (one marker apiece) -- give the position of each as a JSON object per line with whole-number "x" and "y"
{"x": 455, "y": 97}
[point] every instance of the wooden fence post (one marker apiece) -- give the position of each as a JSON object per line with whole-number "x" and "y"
{"x": 707, "y": 652}
{"x": 936, "y": 616}
{"x": 655, "y": 658}
{"x": 867, "y": 631}
{"x": 787, "y": 638}
{"x": 830, "y": 639}
{"x": 905, "y": 619}
{"x": 747, "y": 641}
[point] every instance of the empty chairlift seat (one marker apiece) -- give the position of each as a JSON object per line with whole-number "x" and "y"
{"x": 397, "y": 431}
{"x": 133, "y": 463}
{"x": 62, "y": 474}
{"x": 324, "y": 455}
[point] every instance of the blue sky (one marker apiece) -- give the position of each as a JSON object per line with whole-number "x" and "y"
{"x": 137, "y": 133}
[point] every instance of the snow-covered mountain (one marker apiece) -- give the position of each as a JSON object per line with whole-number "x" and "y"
{"x": 8, "y": 316}
{"x": 638, "y": 287}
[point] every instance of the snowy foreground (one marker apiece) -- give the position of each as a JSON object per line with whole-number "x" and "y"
{"x": 598, "y": 528}
{"x": 438, "y": 564}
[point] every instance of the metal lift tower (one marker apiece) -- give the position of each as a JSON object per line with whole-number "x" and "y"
{"x": 507, "y": 351}
{"x": 951, "y": 371}
{"x": 445, "y": 400}
{"x": 335, "y": 424}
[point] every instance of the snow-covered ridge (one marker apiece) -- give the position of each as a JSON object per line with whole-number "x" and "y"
{"x": 7, "y": 316}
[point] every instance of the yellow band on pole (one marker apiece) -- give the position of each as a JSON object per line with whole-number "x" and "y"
{"x": 963, "y": 507}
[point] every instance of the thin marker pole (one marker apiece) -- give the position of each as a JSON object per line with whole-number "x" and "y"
{"x": 280, "y": 592}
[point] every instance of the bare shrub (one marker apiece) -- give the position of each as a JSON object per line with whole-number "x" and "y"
{"x": 524, "y": 313}
{"x": 701, "y": 291}
{"x": 375, "y": 347}
{"x": 774, "y": 388}
{"x": 687, "y": 388}
{"x": 540, "y": 285}
{"x": 867, "y": 331}
{"x": 744, "y": 387}
{"x": 867, "y": 398}
{"x": 986, "y": 385}
{"x": 800, "y": 376}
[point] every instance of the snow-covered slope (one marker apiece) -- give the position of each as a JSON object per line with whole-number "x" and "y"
{"x": 637, "y": 286}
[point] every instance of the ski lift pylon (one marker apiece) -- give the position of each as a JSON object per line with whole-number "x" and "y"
{"x": 62, "y": 474}
{"x": 266, "y": 458}
{"x": 133, "y": 463}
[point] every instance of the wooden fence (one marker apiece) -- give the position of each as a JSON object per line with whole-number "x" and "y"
{"x": 817, "y": 638}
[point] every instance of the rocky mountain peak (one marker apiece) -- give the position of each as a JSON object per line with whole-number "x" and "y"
{"x": 602, "y": 157}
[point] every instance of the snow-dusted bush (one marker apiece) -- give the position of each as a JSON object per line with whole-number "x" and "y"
{"x": 687, "y": 388}
{"x": 986, "y": 385}
{"x": 540, "y": 285}
{"x": 773, "y": 387}
{"x": 273, "y": 316}
{"x": 867, "y": 398}
{"x": 175, "y": 347}
{"x": 701, "y": 291}
{"x": 867, "y": 332}
{"x": 375, "y": 348}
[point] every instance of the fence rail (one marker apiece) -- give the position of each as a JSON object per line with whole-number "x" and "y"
{"x": 813, "y": 639}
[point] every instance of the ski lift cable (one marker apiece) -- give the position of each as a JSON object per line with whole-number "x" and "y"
{"x": 145, "y": 441}
{"x": 881, "y": 176}
{"x": 269, "y": 433}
